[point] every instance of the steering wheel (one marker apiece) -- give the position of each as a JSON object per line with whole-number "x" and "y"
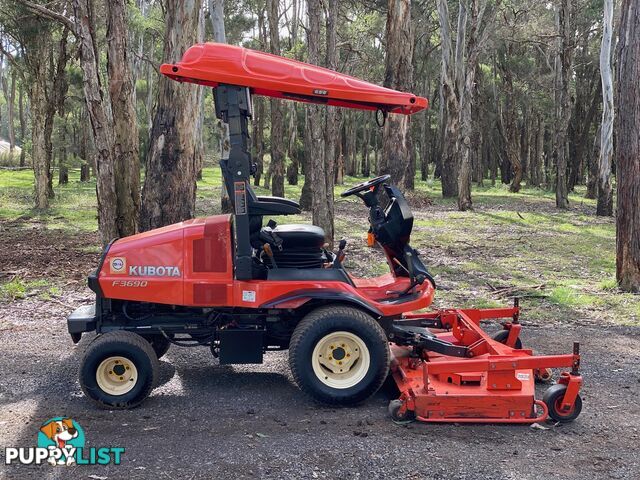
{"x": 364, "y": 186}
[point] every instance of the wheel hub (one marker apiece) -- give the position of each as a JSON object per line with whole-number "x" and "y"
{"x": 340, "y": 359}
{"x": 116, "y": 375}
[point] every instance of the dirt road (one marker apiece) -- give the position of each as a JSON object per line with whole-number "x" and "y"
{"x": 212, "y": 421}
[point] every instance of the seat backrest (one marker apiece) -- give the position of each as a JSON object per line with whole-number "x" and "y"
{"x": 259, "y": 205}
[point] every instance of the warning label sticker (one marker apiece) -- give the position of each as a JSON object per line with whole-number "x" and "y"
{"x": 248, "y": 296}
{"x": 240, "y": 196}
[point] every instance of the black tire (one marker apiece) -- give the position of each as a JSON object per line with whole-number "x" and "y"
{"x": 502, "y": 336}
{"x": 119, "y": 344}
{"x": 335, "y": 318}
{"x": 400, "y": 419}
{"x": 159, "y": 343}
{"x": 553, "y": 398}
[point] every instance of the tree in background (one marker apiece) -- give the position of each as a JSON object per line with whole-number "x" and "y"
{"x": 277, "y": 109}
{"x": 565, "y": 45}
{"x": 216, "y": 17}
{"x": 169, "y": 191}
{"x": 398, "y": 158}
{"x": 100, "y": 118}
{"x": 476, "y": 37}
{"x": 40, "y": 42}
{"x": 324, "y": 203}
{"x": 605, "y": 195}
{"x": 125, "y": 122}
{"x": 317, "y": 171}
{"x": 449, "y": 99}
{"x": 627, "y": 151}
{"x": 114, "y": 123}
{"x": 9, "y": 91}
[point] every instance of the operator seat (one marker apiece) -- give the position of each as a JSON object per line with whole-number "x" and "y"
{"x": 293, "y": 235}
{"x": 300, "y": 236}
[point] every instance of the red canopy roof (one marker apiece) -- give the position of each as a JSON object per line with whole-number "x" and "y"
{"x": 214, "y": 63}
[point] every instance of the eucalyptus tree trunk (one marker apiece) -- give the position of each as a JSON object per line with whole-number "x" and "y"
{"x": 366, "y": 138}
{"x": 398, "y": 157}
{"x": 277, "y": 109}
{"x": 23, "y": 125}
{"x": 317, "y": 175}
{"x": 563, "y": 64}
{"x": 324, "y": 205}
{"x": 9, "y": 90}
{"x": 126, "y": 159}
{"x": 258, "y": 138}
{"x": 605, "y": 194}
{"x": 313, "y": 118}
{"x": 38, "y": 56}
{"x": 292, "y": 169}
{"x": 593, "y": 167}
{"x": 216, "y": 17}
{"x": 627, "y": 151}
{"x": 100, "y": 118}
{"x": 292, "y": 150}
{"x": 169, "y": 191}
{"x": 467, "y": 84}
{"x": 63, "y": 169}
{"x": 449, "y": 98}
{"x": 259, "y": 104}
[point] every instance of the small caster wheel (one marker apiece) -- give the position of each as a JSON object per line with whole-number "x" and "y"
{"x": 502, "y": 336}
{"x": 394, "y": 412}
{"x": 553, "y": 398}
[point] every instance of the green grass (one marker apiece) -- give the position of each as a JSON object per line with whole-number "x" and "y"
{"x": 563, "y": 261}
{"x": 18, "y": 289}
{"x": 72, "y": 209}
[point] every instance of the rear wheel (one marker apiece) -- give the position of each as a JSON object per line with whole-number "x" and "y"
{"x": 118, "y": 370}
{"x": 339, "y": 355}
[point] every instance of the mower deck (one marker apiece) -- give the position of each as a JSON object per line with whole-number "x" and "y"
{"x": 484, "y": 381}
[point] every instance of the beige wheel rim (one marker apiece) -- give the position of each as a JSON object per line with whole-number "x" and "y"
{"x": 116, "y": 375}
{"x": 340, "y": 360}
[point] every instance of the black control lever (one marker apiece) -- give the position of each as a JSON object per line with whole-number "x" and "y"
{"x": 267, "y": 235}
{"x": 340, "y": 256}
{"x": 267, "y": 249}
{"x": 415, "y": 279}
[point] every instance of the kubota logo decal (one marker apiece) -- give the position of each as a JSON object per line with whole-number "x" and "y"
{"x": 118, "y": 265}
{"x": 154, "y": 271}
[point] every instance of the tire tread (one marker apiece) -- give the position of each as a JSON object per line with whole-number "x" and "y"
{"x": 308, "y": 322}
{"x": 130, "y": 338}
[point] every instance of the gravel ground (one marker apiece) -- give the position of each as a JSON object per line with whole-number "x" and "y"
{"x": 212, "y": 421}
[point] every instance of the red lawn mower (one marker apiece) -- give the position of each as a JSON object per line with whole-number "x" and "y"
{"x": 242, "y": 289}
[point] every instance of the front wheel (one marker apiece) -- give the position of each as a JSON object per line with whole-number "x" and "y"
{"x": 339, "y": 355}
{"x": 118, "y": 370}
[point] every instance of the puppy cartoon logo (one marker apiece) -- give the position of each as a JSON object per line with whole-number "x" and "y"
{"x": 61, "y": 441}
{"x": 118, "y": 265}
{"x": 62, "y": 435}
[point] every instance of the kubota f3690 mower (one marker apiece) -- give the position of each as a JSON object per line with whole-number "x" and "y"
{"x": 242, "y": 289}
